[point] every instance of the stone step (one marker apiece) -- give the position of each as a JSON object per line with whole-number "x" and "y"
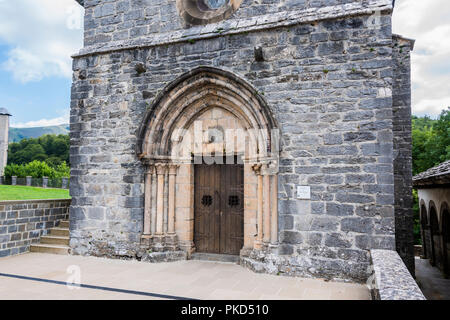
{"x": 64, "y": 241}
{"x": 215, "y": 257}
{"x": 64, "y": 224}
{"x": 49, "y": 248}
{"x": 59, "y": 232}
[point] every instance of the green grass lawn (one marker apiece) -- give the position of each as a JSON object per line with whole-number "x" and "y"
{"x": 31, "y": 193}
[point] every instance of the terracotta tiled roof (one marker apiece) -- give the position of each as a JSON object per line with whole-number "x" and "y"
{"x": 435, "y": 176}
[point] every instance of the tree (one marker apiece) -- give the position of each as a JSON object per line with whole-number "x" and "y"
{"x": 431, "y": 141}
{"x": 37, "y": 169}
{"x": 442, "y": 140}
{"x": 430, "y": 147}
{"x": 53, "y": 149}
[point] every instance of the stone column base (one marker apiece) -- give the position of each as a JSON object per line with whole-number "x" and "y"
{"x": 171, "y": 242}
{"x": 245, "y": 252}
{"x": 273, "y": 248}
{"x": 259, "y": 245}
{"x": 146, "y": 240}
{"x": 187, "y": 246}
{"x": 158, "y": 243}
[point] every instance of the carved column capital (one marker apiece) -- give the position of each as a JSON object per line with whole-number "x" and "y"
{"x": 269, "y": 168}
{"x": 161, "y": 168}
{"x": 257, "y": 168}
{"x": 150, "y": 169}
{"x": 173, "y": 169}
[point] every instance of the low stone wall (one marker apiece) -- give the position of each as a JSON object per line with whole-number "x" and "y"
{"x": 391, "y": 279}
{"x": 418, "y": 251}
{"x": 24, "y": 222}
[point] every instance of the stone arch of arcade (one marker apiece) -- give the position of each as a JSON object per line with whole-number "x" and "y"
{"x": 435, "y": 234}
{"x": 445, "y": 231}
{"x": 207, "y": 113}
{"x": 425, "y": 230}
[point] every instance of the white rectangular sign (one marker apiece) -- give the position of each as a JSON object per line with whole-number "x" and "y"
{"x": 304, "y": 192}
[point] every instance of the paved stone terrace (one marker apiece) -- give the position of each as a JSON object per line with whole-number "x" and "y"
{"x": 431, "y": 281}
{"x": 189, "y": 279}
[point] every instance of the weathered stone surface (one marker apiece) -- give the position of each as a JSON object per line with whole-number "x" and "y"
{"x": 22, "y": 223}
{"x": 329, "y": 89}
{"x": 391, "y": 279}
{"x": 401, "y": 96}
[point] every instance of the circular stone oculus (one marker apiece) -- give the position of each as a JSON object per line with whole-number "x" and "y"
{"x": 216, "y": 4}
{"x": 201, "y": 12}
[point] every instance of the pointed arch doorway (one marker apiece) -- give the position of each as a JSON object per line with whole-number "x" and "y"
{"x": 209, "y": 114}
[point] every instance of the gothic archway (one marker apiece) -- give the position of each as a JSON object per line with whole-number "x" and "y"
{"x": 436, "y": 257}
{"x": 424, "y": 230}
{"x": 445, "y": 230}
{"x": 207, "y": 113}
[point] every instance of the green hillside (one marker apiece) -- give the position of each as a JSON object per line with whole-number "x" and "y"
{"x": 17, "y": 134}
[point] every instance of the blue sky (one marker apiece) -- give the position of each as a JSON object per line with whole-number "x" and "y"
{"x": 37, "y": 38}
{"x": 34, "y": 100}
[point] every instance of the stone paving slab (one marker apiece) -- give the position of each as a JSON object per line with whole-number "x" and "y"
{"x": 189, "y": 279}
{"x": 431, "y": 281}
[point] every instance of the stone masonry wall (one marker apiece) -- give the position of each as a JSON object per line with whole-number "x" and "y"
{"x": 24, "y": 222}
{"x": 391, "y": 280}
{"x": 329, "y": 85}
{"x": 403, "y": 151}
{"x": 118, "y": 20}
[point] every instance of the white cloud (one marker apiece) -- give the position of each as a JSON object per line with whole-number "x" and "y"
{"x": 43, "y": 35}
{"x": 42, "y": 123}
{"x": 428, "y": 22}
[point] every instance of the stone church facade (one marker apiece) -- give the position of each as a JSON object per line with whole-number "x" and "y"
{"x": 276, "y": 131}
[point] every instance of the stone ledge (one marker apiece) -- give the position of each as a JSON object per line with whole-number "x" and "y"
{"x": 410, "y": 42}
{"x": 9, "y": 202}
{"x": 230, "y": 27}
{"x": 166, "y": 256}
{"x": 392, "y": 279}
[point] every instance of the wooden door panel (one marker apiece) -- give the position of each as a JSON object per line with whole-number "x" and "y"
{"x": 218, "y": 226}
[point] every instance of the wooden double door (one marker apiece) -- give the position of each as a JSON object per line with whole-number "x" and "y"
{"x": 219, "y": 208}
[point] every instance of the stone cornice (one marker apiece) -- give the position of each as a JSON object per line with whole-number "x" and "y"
{"x": 230, "y": 27}
{"x": 11, "y": 202}
{"x": 411, "y": 42}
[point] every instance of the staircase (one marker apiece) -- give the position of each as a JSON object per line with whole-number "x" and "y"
{"x": 56, "y": 242}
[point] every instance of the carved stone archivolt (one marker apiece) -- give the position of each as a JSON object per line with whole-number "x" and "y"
{"x": 205, "y": 114}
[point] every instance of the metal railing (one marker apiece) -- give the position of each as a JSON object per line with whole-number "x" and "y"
{"x": 44, "y": 182}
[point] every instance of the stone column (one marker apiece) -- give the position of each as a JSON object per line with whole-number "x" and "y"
{"x": 154, "y": 197}
{"x": 259, "y": 236}
{"x": 161, "y": 172}
{"x": 266, "y": 212}
{"x": 274, "y": 210}
{"x": 13, "y": 180}
{"x": 148, "y": 201}
{"x": 171, "y": 215}
{"x": 28, "y": 181}
{"x": 44, "y": 182}
{"x": 65, "y": 183}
